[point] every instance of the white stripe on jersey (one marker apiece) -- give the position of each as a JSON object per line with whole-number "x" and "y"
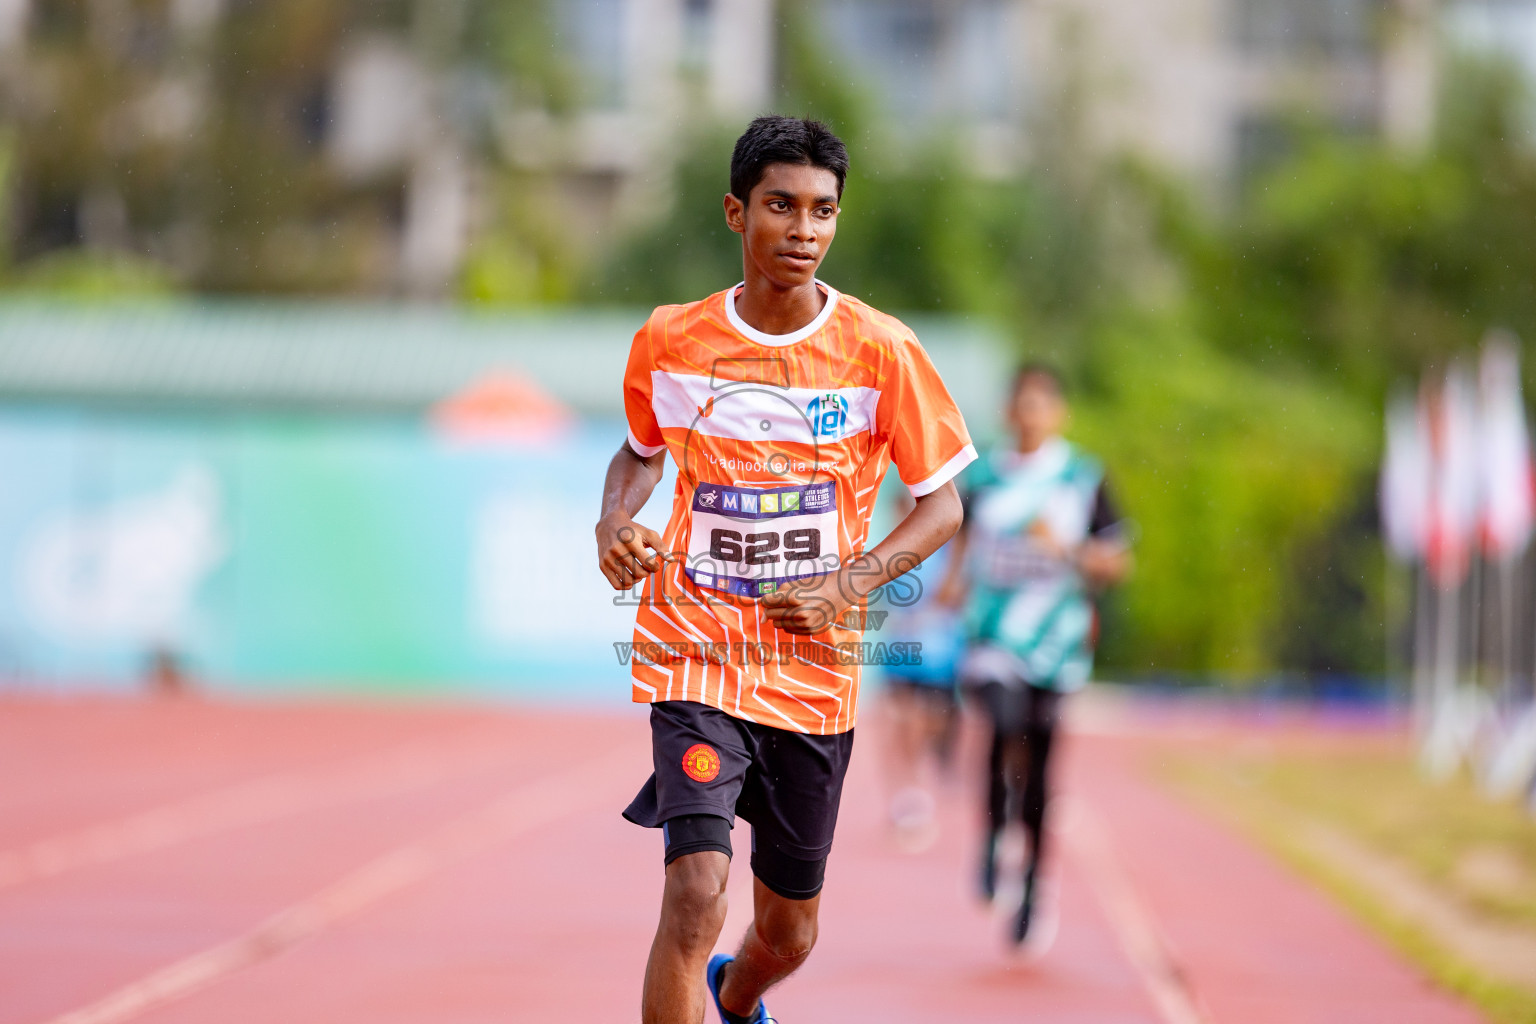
{"x": 758, "y": 412}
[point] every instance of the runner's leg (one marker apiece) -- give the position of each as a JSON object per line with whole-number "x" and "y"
{"x": 1039, "y": 736}
{"x": 782, "y": 934}
{"x": 944, "y": 714}
{"x": 693, "y": 905}
{"x": 1006, "y": 764}
{"x": 997, "y": 811}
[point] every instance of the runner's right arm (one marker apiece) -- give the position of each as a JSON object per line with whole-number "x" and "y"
{"x": 626, "y": 551}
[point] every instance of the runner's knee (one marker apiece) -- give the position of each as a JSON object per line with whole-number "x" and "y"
{"x": 694, "y": 903}
{"x": 790, "y": 933}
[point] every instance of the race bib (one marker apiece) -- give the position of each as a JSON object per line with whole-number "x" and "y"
{"x": 1012, "y": 560}
{"x": 750, "y": 541}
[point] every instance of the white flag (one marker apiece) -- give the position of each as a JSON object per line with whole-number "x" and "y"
{"x": 1508, "y": 489}
{"x": 1404, "y": 492}
{"x": 1455, "y": 505}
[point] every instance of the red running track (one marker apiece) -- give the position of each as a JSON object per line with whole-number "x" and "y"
{"x": 190, "y": 861}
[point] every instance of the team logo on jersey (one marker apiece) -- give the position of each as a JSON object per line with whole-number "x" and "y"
{"x": 829, "y": 415}
{"x": 708, "y": 498}
{"x": 701, "y": 763}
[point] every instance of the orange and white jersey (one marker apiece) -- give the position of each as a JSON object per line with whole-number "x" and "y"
{"x": 781, "y": 442}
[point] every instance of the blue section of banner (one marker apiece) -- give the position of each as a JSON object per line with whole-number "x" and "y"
{"x": 289, "y": 552}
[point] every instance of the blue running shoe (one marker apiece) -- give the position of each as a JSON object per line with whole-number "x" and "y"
{"x": 712, "y": 975}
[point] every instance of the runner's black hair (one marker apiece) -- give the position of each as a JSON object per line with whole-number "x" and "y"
{"x": 785, "y": 140}
{"x": 1040, "y": 372}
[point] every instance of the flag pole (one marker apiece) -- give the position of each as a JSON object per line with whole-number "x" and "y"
{"x": 1507, "y": 695}
{"x": 1423, "y": 665}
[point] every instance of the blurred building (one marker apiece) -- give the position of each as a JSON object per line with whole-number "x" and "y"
{"x": 1201, "y": 86}
{"x": 339, "y": 147}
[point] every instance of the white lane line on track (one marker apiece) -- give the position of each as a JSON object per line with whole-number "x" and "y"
{"x": 524, "y": 808}
{"x": 1088, "y": 836}
{"x": 403, "y": 769}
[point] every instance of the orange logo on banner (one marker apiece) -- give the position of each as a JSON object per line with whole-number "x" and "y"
{"x": 701, "y": 763}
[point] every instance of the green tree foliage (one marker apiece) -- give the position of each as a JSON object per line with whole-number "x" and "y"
{"x": 1365, "y": 262}
{"x": 145, "y": 153}
{"x": 1230, "y": 472}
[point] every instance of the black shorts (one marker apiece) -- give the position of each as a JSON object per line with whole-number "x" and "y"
{"x": 1020, "y": 709}
{"x": 787, "y": 785}
{"x": 940, "y": 695}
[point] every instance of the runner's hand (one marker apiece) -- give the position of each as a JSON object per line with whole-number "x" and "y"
{"x": 1103, "y": 563}
{"x": 626, "y": 551}
{"x": 806, "y": 607}
{"x": 1042, "y": 534}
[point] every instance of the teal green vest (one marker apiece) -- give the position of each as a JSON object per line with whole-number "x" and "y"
{"x": 1024, "y": 598}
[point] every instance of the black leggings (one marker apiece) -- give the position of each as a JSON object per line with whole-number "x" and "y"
{"x": 1023, "y": 731}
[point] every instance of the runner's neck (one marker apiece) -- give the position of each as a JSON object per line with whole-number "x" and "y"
{"x": 828, "y": 299}
{"x": 776, "y": 311}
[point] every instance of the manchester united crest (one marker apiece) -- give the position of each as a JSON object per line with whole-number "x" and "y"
{"x": 701, "y": 763}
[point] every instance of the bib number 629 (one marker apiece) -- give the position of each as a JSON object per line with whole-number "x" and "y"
{"x": 762, "y": 548}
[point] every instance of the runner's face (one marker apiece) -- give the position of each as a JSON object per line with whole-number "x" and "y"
{"x": 787, "y": 223}
{"x": 1037, "y": 414}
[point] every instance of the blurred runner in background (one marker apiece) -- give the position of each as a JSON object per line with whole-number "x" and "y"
{"x": 1040, "y": 536}
{"x": 921, "y": 701}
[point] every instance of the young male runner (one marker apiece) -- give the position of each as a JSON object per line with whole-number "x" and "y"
{"x": 1040, "y": 535}
{"x": 782, "y": 403}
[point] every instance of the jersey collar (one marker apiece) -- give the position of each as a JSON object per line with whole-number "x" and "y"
{"x": 751, "y": 333}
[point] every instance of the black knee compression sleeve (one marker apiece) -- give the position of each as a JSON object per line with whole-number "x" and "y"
{"x": 790, "y": 877}
{"x": 695, "y": 833}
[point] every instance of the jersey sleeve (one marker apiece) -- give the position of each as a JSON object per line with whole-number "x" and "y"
{"x": 929, "y": 442}
{"x": 644, "y": 432}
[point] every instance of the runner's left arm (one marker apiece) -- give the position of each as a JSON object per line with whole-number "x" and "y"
{"x": 814, "y": 607}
